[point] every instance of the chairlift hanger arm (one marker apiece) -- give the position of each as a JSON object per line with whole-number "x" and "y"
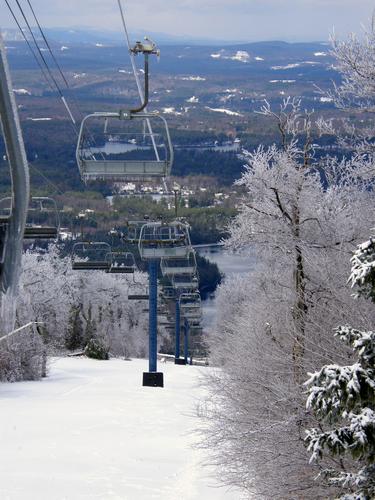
{"x": 146, "y": 48}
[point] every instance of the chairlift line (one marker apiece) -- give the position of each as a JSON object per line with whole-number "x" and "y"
{"x": 135, "y": 73}
{"x": 45, "y": 62}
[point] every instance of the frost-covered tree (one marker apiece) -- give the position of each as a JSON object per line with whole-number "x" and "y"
{"x": 81, "y": 307}
{"x": 300, "y": 219}
{"x": 343, "y": 400}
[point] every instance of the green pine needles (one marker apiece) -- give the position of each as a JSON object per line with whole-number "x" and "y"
{"x": 342, "y": 398}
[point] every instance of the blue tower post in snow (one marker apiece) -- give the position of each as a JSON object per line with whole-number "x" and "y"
{"x": 186, "y": 340}
{"x": 153, "y": 378}
{"x": 177, "y": 359}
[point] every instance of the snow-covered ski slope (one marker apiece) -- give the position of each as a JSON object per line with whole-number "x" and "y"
{"x": 91, "y": 431}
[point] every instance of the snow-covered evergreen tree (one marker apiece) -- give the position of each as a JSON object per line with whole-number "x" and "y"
{"x": 343, "y": 399}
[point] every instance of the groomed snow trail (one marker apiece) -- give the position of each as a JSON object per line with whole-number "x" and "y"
{"x": 91, "y": 431}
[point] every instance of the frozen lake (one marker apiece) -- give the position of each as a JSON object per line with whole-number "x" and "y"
{"x": 229, "y": 264}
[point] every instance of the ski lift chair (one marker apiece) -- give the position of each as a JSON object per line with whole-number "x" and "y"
{"x": 42, "y": 220}
{"x": 190, "y": 300}
{"x": 132, "y": 231}
{"x": 185, "y": 282}
{"x": 138, "y": 156}
{"x": 168, "y": 293}
{"x": 121, "y": 263}
{"x": 164, "y": 240}
{"x": 188, "y": 265}
{"x": 190, "y": 305}
{"x": 90, "y": 255}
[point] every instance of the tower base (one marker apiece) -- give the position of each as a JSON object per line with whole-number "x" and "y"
{"x": 153, "y": 379}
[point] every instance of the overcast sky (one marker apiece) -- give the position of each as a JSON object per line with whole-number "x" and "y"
{"x": 250, "y": 20}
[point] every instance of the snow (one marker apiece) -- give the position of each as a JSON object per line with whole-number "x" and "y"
{"x": 282, "y": 81}
{"x": 296, "y": 65}
{"x": 320, "y": 54}
{"x": 64, "y": 47}
{"x": 223, "y": 110}
{"x": 91, "y": 431}
{"x": 193, "y": 99}
{"x": 287, "y": 66}
{"x": 257, "y": 58}
{"x": 216, "y": 56}
{"x": 21, "y": 92}
{"x": 171, "y": 111}
{"x": 193, "y": 78}
{"x": 39, "y": 119}
{"x": 242, "y": 56}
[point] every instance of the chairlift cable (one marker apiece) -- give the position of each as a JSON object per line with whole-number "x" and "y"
{"x": 29, "y": 45}
{"x": 53, "y": 55}
{"x": 46, "y": 65}
{"x": 59, "y": 69}
{"x": 48, "y": 45}
{"x": 45, "y": 75}
{"x": 33, "y": 167}
{"x": 132, "y": 60}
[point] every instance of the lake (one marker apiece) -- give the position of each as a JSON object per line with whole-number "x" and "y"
{"x": 228, "y": 264}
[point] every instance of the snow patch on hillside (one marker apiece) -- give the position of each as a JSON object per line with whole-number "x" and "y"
{"x": 242, "y": 56}
{"x": 193, "y": 99}
{"x": 225, "y": 111}
{"x": 287, "y": 66}
{"x": 282, "y": 81}
{"x": 21, "y": 92}
{"x": 39, "y": 119}
{"x": 171, "y": 111}
{"x": 193, "y": 78}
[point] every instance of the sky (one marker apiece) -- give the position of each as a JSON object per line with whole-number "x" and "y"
{"x": 224, "y": 20}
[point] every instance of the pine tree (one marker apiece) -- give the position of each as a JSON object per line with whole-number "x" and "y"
{"x": 343, "y": 398}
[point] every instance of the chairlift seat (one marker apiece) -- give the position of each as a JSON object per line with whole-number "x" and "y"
{"x": 185, "y": 282}
{"x": 170, "y": 267}
{"x": 163, "y": 252}
{"x": 39, "y": 232}
{"x": 90, "y": 266}
{"x": 138, "y": 296}
{"x": 90, "y": 256}
{"x": 124, "y": 170}
{"x": 120, "y": 270}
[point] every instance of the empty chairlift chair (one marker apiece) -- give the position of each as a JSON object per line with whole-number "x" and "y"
{"x": 90, "y": 255}
{"x": 42, "y": 220}
{"x": 117, "y": 147}
{"x": 185, "y": 282}
{"x": 121, "y": 263}
{"x": 132, "y": 231}
{"x": 160, "y": 240}
{"x": 190, "y": 306}
{"x": 172, "y": 266}
{"x": 128, "y": 145}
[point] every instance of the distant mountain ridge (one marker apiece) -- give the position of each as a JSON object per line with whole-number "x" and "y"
{"x": 85, "y": 35}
